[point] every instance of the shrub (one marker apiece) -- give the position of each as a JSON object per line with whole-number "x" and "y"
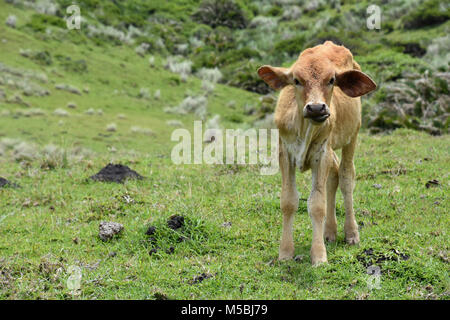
{"x": 106, "y": 33}
{"x": 438, "y": 53}
{"x": 430, "y": 12}
{"x": 275, "y": 11}
{"x": 263, "y": 23}
{"x": 208, "y": 87}
{"x": 142, "y": 49}
{"x": 53, "y": 157}
{"x": 243, "y": 75}
{"x": 157, "y": 95}
{"x": 40, "y": 57}
{"x": 292, "y": 46}
{"x": 40, "y": 22}
{"x": 177, "y": 65}
{"x": 11, "y": 21}
{"x": 72, "y": 105}
{"x": 213, "y": 124}
{"x": 90, "y": 111}
{"x": 68, "y": 88}
{"x": 145, "y": 131}
{"x": 174, "y": 123}
{"x": 151, "y": 61}
{"x": 225, "y": 13}
{"x": 61, "y": 113}
{"x": 144, "y": 93}
{"x": 238, "y": 55}
{"x": 196, "y": 105}
{"x": 24, "y": 151}
{"x": 210, "y": 75}
{"x": 292, "y": 13}
{"x": 30, "y": 112}
{"x": 416, "y": 101}
{"x": 77, "y": 66}
{"x": 112, "y": 127}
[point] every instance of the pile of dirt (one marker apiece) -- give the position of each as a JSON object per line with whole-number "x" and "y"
{"x": 369, "y": 257}
{"x": 6, "y": 183}
{"x": 116, "y": 173}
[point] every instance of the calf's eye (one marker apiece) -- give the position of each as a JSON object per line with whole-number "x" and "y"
{"x": 297, "y": 82}
{"x": 331, "y": 81}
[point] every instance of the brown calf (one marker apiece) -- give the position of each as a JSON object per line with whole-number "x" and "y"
{"x": 318, "y": 111}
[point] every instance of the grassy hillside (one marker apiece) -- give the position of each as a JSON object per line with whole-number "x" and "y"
{"x": 119, "y": 101}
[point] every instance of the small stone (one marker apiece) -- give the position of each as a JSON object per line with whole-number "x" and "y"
{"x": 107, "y": 230}
{"x": 377, "y": 186}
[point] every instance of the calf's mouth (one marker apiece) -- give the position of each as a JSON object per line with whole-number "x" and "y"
{"x": 320, "y": 118}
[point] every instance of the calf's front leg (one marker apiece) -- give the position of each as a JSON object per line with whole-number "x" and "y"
{"x": 317, "y": 202}
{"x": 330, "y": 231}
{"x": 289, "y": 203}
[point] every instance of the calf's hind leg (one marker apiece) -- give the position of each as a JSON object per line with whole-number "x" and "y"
{"x": 289, "y": 203}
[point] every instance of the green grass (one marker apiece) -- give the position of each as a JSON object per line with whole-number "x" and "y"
{"x": 51, "y": 222}
{"x": 55, "y": 207}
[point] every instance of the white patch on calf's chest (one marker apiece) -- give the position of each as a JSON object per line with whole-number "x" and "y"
{"x": 298, "y": 148}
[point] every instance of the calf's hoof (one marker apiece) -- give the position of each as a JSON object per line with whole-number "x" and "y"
{"x": 352, "y": 238}
{"x": 286, "y": 253}
{"x": 318, "y": 255}
{"x": 330, "y": 235}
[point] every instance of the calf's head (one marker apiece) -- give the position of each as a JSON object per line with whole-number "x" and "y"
{"x": 314, "y": 79}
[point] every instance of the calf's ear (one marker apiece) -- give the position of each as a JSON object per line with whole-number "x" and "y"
{"x": 276, "y": 78}
{"x": 355, "y": 83}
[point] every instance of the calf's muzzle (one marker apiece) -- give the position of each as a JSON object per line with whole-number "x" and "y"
{"x": 317, "y": 112}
